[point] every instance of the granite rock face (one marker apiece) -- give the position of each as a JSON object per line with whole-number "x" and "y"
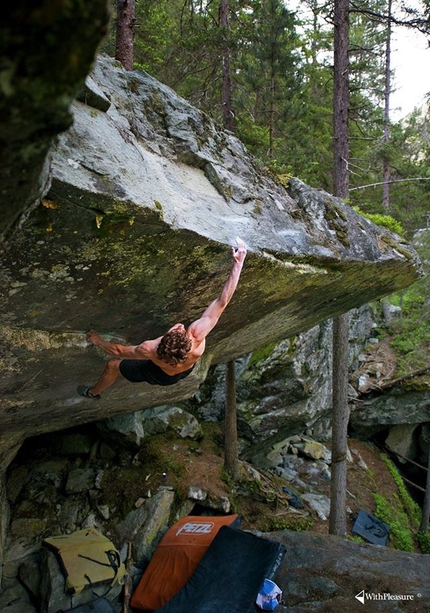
{"x": 133, "y": 235}
{"x": 326, "y": 574}
{"x": 384, "y": 411}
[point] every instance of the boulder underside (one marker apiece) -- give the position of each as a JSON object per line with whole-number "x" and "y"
{"x": 145, "y": 197}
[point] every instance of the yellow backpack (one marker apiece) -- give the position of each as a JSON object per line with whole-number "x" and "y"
{"x": 86, "y": 558}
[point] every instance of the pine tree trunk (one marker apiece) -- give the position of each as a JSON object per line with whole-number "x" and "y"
{"x": 340, "y": 417}
{"x": 386, "y": 161}
{"x": 341, "y": 99}
{"x": 271, "y": 116}
{"x": 230, "y": 423}
{"x": 125, "y": 22}
{"x": 227, "y": 109}
{"x": 337, "y": 523}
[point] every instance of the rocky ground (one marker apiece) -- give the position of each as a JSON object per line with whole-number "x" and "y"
{"x": 42, "y": 476}
{"x": 59, "y": 484}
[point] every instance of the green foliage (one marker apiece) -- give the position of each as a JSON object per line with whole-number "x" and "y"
{"x": 259, "y": 355}
{"x": 391, "y": 512}
{"x": 411, "y": 334}
{"x": 411, "y": 342}
{"x": 253, "y": 135}
{"x": 402, "y": 514}
{"x": 386, "y": 221}
{"x": 355, "y": 538}
{"x": 424, "y": 542}
{"x": 408, "y": 156}
{"x": 410, "y": 506}
{"x": 159, "y": 460}
{"x": 121, "y": 488}
{"x": 282, "y": 92}
{"x": 410, "y": 300}
{"x": 288, "y": 522}
{"x": 371, "y": 474}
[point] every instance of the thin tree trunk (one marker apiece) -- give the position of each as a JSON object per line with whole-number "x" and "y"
{"x": 271, "y": 116}
{"x": 227, "y": 108}
{"x": 125, "y": 22}
{"x": 340, "y": 417}
{"x": 341, "y": 100}
{"x": 314, "y": 45}
{"x": 387, "y": 91}
{"x": 231, "y": 461}
{"x": 337, "y": 523}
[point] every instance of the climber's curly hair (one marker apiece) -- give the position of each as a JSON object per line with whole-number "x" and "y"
{"x": 174, "y": 347}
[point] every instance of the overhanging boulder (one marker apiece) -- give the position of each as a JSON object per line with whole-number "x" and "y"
{"x": 146, "y": 195}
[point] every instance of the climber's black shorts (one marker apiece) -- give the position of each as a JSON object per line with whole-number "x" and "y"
{"x": 138, "y": 371}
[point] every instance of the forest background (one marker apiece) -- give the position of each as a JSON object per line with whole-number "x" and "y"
{"x": 265, "y": 71}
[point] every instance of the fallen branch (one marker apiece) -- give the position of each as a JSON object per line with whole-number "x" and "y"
{"x": 391, "y": 383}
{"x": 406, "y": 459}
{"x": 411, "y": 375}
{"x": 127, "y": 584}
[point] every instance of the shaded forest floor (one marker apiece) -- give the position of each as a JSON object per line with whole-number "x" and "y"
{"x": 262, "y": 504}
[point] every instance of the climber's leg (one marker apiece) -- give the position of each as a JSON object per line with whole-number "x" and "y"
{"x": 107, "y": 378}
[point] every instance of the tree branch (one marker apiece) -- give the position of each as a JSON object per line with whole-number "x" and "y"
{"x": 352, "y": 189}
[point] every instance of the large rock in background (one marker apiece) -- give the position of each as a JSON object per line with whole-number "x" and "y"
{"x": 146, "y": 195}
{"x": 286, "y": 388}
{"x": 281, "y": 389}
{"x": 46, "y": 50}
{"x": 325, "y": 574}
{"x": 383, "y": 411}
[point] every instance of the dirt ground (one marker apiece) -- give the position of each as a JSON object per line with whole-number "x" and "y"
{"x": 362, "y": 483}
{"x": 366, "y": 474}
{"x": 261, "y": 502}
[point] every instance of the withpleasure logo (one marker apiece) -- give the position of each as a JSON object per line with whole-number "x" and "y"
{"x": 363, "y": 596}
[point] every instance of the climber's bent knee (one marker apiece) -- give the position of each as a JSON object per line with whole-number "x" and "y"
{"x": 113, "y": 365}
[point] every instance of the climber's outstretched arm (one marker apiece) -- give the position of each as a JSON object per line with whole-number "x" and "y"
{"x": 134, "y": 352}
{"x": 202, "y": 326}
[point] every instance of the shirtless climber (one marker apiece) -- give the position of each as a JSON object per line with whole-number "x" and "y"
{"x": 169, "y": 358}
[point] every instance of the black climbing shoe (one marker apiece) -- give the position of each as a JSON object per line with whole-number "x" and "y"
{"x": 84, "y": 390}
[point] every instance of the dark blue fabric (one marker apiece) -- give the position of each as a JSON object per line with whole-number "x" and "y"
{"x": 371, "y": 528}
{"x": 101, "y": 605}
{"x": 229, "y": 575}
